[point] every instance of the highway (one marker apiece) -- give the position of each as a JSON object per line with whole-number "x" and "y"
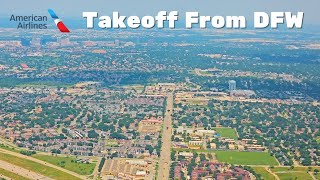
{"x": 165, "y": 161}
{"x": 40, "y": 162}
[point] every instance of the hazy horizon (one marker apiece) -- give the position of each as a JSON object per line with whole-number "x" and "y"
{"x": 71, "y": 9}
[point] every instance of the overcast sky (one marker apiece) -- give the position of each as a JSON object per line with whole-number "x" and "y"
{"x": 74, "y": 8}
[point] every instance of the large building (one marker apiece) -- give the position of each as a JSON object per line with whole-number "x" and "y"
{"x": 63, "y": 41}
{"x": 232, "y": 85}
{"x": 35, "y": 42}
{"x": 117, "y": 42}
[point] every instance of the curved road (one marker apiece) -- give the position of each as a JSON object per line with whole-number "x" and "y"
{"x": 272, "y": 173}
{"x": 164, "y": 162}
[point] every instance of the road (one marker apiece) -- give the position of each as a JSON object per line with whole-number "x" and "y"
{"x": 312, "y": 175}
{"x": 164, "y": 162}
{"x": 21, "y": 171}
{"x": 272, "y": 173}
{"x": 42, "y": 162}
{"x": 95, "y": 172}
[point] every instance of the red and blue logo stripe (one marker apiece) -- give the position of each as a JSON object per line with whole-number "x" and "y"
{"x": 58, "y": 22}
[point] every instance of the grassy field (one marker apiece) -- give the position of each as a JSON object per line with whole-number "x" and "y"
{"x": 68, "y": 163}
{"x": 303, "y": 169}
{"x": 239, "y": 157}
{"x": 138, "y": 88}
{"x": 299, "y": 172}
{"x": 227, "y": 132}
{"x": 286, "y": 173}
{"x": 36, "y": 167}
{"x": 197, "y": 102}
{"x": 294, "y": 175}
{"x": 11, "y": 175}
{"x": 112, "y": 142}
{"x": 264, "y": 173}
{"x": 45, "y": 84}
{"x": 246, "y": 158}
{"x": 9, "y": 148}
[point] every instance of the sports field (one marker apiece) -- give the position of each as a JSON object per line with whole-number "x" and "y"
{"x": 226, "y": 132}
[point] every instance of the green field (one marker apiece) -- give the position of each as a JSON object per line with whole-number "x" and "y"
{"x": 239, "y": 157}
{"x": 45, "y": 84}
{"x": 302, "y": 169}
{"x": 112, "y": 142}
{"x": 197, "y": 102}
{"x": 279, "y": 169}
{"x": 11, "y": 175}
{"x": 227, "y": 132}
{"x": 299, "y": 172}
{"x": 264, "y": 173}
{"x": 68, "y": 163}
{"x": 12, "y": 81}
{"x": 36, "y": 167}
{"x": 286, "y": 173}
{"x": 246, "y": 158}
{"x": 2, "y": 146}
{"x": 294, "y": 175}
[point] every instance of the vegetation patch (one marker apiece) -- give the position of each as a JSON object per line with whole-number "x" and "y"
{"x": 69, "y": 163}
{"x": 36, "y": 167}
{"x": 246, "y": 158}
{"x": 239, "y": 157}
{"x": 296, "y": 172}
{"x": 101, "y": 164}
{"x": 11, "y": 175}
{"x": 264, "y": 173}
{"x": 227, "y": 132}
{"x": 294, "y": 175}
{"x": 303, "y": 169}
{"x": 2, "y": 146}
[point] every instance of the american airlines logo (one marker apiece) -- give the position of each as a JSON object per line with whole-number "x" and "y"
{"x": 58, "y": 22}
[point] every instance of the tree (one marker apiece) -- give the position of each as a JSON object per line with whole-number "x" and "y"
{"x": 172, "y": 155}
{"x": 93, "y": 134}
{"x": 64, "y": 130}
{"x": 130, "y": 156}
{"x": 149, "y": 148}
{"x": 306, "y": 162}
{"x": 116, "y": 135}
{"x": 101, "y": 164}
{"x": 147, "y": 137}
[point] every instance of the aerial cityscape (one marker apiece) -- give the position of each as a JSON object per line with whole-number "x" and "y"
{"x": 160, "y": 104}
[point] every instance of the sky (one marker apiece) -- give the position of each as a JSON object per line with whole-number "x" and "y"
{"x": 74, "y": 8}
